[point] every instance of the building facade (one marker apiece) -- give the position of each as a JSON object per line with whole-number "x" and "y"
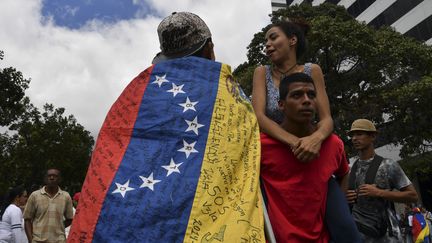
{"x": 409, "y": 17}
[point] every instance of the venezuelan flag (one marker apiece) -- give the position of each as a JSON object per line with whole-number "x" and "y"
{"x": 176, "y": 160}
{"x": 420, "y": 229}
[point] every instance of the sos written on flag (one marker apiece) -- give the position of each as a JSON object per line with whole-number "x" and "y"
{"x": 176, "y": 160}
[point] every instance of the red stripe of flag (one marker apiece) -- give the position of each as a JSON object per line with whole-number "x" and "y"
{"x": 111, "y": 145}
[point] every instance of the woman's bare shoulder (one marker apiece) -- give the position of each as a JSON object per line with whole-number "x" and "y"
{"x": 260, "y": 68}
{"x": 315, "y": 67}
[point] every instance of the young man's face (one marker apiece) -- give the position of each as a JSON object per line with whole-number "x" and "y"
{"x": 52, "y": 177}
{"x": 362, "y": 140}
{"x": 299, "y": 104}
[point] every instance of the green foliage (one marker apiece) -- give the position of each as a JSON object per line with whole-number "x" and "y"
{"x": 6, "y": 145}
{"x": 244, "y": 74}
{"x": 418, "y": 166}
{"x": 12, "y": 87}
{"x": 50, "y": 139}
{"x": 410, "y": 113}
{"x": 377, "y": 74}
{"x": 38, "y": 140}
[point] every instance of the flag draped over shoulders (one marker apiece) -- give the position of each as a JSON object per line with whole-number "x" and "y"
{"x": 176, "y": 160}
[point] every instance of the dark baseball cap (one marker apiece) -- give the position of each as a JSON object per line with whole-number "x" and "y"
{"x": 181, "y": 34}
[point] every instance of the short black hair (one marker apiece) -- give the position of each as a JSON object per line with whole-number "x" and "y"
{"x": 292, "y": 78}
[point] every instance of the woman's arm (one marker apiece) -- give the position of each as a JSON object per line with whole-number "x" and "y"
{"x": 259, "y": 100}
{"x": 308, "y": 147}
{"x": 16, "y": 224}
{"x": 325, "y": 125}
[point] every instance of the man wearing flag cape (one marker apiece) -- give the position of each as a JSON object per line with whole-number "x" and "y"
{"x": 177, "y": 158}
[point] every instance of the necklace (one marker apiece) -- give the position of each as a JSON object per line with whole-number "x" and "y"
{"x": 284, "y": 74}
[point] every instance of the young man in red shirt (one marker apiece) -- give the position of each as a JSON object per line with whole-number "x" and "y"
{"x": 296, "y": 191}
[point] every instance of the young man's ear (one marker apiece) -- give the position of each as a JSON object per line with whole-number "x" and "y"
{"x": 281, "y": 104}
{"x": 208, "y": 51}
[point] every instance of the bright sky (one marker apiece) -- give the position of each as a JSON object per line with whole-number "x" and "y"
{"x": 80, "y": 54}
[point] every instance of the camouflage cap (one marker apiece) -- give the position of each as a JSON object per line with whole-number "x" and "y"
{"x": 181, "y": 34}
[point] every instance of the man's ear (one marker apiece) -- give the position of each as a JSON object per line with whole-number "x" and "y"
{"x": 281, "y": 105}
{"x": 373, "y": 136}
{"x": 208, "y": 51}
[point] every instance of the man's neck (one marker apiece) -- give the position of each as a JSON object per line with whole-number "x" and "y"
{"x": 51, "y": 190}
{"x": 367, "y": 153}
{"x": 298, "y": 129}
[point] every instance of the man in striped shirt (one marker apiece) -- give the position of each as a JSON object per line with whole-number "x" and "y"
{"x": 48, "y": 211}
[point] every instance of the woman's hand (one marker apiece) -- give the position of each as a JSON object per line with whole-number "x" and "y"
{"x": 307, "y": 148}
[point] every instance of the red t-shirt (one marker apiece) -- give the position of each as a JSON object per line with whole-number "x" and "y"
{"x": 297, "y": 191}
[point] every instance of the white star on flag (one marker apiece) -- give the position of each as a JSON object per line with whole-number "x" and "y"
{"x": 149, "y": 181}
{"x": 160, "y": 80}
{"x": 188, "y": 105}
{"x": 188, "y": 148}
{"x": 172, "y": 167}
{"x": 176, "y": 89}
{"x": 193, "y": 125}
{"x": 122, "y": 189}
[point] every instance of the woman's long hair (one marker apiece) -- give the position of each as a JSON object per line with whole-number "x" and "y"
{"x": 10, "y": 197}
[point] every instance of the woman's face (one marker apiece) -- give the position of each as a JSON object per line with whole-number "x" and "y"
{"x": 22, "y": 200}
{"x": 278, "y": 45}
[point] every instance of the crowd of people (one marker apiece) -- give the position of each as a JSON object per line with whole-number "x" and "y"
{"x": 311, "y": 194}
{"x": 415, "y": 223}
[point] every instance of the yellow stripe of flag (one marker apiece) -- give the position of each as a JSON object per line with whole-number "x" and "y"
{"x": 226, "y": 206}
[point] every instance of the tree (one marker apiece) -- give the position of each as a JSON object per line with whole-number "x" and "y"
{"x": 377, "y": 74}
{"x": 244, "y": 74}
{"x": 50, "y": 139}
{"x": 12, "y": 96}
{"x": 38, "y": 140}
{"x": 420, "y": 167}
{"x": 6, "y": 144}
